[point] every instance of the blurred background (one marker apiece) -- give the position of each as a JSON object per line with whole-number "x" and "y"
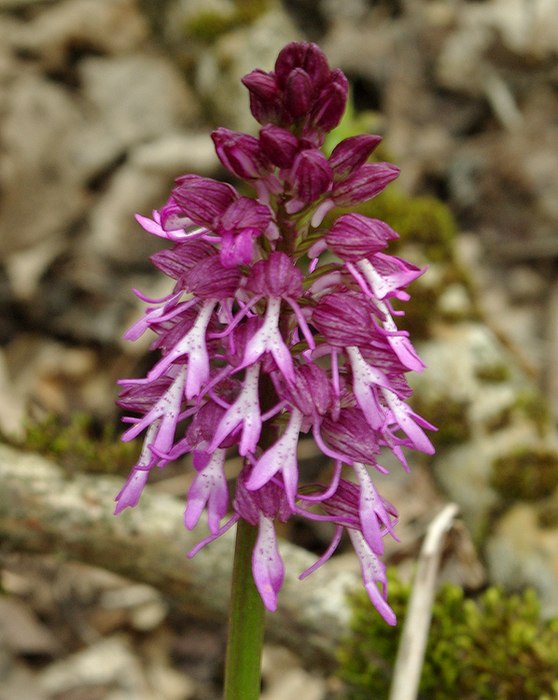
{"x": 102, "y": 104}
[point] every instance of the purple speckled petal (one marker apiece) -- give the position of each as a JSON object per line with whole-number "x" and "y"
{"x": 267, "y": 565}
{"x": 373, "y": 573}
{"x": 208, "y": 490}
{"x": 280, "y": 457}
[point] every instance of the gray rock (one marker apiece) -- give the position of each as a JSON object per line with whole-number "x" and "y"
{"x": 40, "y": 181}
{"x": 522, "y": 553}
{"x": 134, "y": 98}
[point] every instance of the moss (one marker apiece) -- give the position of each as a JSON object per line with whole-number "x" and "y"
{"x": 209, "y": 25}
{"x": 534, "y": 406}
{"x": 493, "y": 647}
{"x": 499, "y": 421}
{"x": 449, "y": 415}
{"x": 495, "y": 373}
{"x": 423, "y": 221}
{"x": 547, "y": 514}
{"x": 525, "y": 473}
{"x": 79, "y": 444}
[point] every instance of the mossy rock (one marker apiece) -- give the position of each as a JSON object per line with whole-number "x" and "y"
{"x": 496, "y": 646}
{"x": 526, "y": 473}
{"x": 450, "y": 416}
{"x": 80, "y": 444}
{"x": 208, "y": 25}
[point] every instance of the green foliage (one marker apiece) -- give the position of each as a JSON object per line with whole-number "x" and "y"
{"x": 526, "y": 473}
{"x": 78, "y": 444}
{"x": 493, "y": 647}
{"x": 208, "y": 25}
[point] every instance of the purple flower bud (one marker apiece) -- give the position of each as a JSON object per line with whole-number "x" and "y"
{"x": 240, "y": 153}
{"x": 237, "y": 249}
{"x": 298, "y": 93}
{"x": 330, "y": 104}
{"x": 246, "y": 213}
{"x": 355, "y": 236}
{"x": 202, "y": 428}
{"x": 172, "y": 217}
{"x": 311, "y": 175}
{"x": 279, "y": 145}
{"x": 269, "y": 500}
{"x": 265, "y": 99}
{"x": 366, "y": 182}
{"x": 351, "y": 435}
{"x": 303, "y": 55}
{"x": 276, "y": 277}
{"x": 310, "y": 392}
{"x": 177, "y": 260}
{"x": 351, "y": 153}
{"x": 344, "y": 318}
{"x": 209, "y": 279}
{"x": 204, "y": 200}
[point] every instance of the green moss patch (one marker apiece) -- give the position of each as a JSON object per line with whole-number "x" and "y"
{"x": 79, "y": 444}
{"x": 496, "y": 646}
{"x": 525, "y": 474}
{"x": 449, "y": 415}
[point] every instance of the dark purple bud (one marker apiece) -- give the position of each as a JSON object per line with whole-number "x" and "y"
{"x": 265, "y": 98}
{"x": 209, "y": 279}
{"x": 343, "y": 318}
{"x": 298, "y": 93}
{"x": 351, "y": 153}
{"x": 311, "y": 175}
{"x": 246, "y": 213}
{"x": 366, "y": 182}
{"x": 204, "y": 200}
{"x": 303, "y": 55}
{"x": 355, "y": 236}
{"x": 276, "y": 277}
{"x": 177, "y": 260}
{"x": 279, "y": 145}
{"x": 330, "y": 104}
{"x": 240, "y": 153}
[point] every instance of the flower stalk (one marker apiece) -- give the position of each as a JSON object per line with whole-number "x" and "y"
{"x": 246, "y": 622}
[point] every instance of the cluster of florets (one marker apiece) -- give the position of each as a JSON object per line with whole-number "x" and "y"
{"x": 279, "y": 326}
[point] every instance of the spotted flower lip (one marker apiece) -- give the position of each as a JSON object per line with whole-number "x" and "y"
{"x": 280, "y": 323}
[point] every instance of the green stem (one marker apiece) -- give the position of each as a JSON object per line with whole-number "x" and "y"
{"x": 246, "y": 622}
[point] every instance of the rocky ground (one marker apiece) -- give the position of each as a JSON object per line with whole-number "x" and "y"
{"x": 102, "y": 104}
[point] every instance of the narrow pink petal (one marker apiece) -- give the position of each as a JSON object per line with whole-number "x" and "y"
{"x": 373, "y": 572}
{"x": 267, "y": 565}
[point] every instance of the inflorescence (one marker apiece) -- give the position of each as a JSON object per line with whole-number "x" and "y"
{"x": 277, "y": 326}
